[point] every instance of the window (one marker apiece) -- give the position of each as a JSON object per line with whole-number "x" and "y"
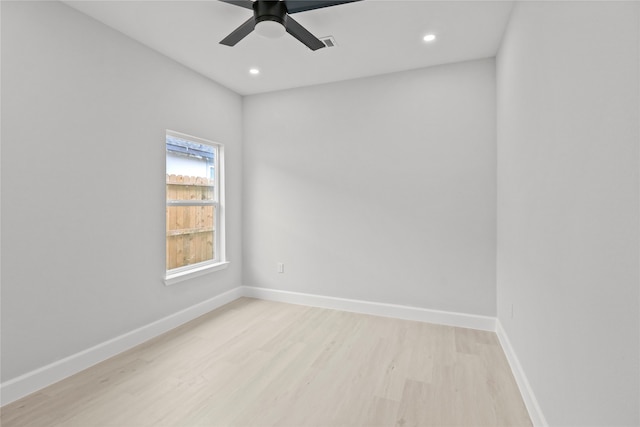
{"x": 195, "y": 207}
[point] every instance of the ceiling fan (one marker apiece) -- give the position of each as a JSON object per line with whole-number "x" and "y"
{"x": 271, "y": 19}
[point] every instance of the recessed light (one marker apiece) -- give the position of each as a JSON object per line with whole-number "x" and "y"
{"x": 254, "y": 71}
{"x": 429, "y": 37}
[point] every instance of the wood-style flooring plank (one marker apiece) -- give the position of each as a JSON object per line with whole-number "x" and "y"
{"x": 261, "y": 363}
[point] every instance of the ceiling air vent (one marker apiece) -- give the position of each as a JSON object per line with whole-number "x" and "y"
{"x": 328, "y": 41}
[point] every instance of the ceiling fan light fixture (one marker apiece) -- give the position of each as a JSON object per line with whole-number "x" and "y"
{"x": 270, "y": 29}
{"x": 271, "y": 19}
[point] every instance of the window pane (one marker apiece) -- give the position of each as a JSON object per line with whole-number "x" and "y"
{"x": 190, "y": 229}
{"x": 190, "y": 235}
{"x": 188, "y": 158}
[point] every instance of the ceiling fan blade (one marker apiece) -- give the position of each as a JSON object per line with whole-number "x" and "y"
{"x": 247, "y": 4}
{"x": 239, "y": 33}
{"x": 295, "y": 6}
{"x": 301, "y": 33}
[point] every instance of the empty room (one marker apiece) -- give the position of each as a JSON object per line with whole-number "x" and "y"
{"x": 320, "y": 213}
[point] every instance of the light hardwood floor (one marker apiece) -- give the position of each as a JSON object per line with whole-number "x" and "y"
{"x": 261, "y": 363}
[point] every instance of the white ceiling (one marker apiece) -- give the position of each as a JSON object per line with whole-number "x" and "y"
{"x": 373, "y": 37}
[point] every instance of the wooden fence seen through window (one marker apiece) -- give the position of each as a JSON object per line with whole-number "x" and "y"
{"x": 190, "y": 229}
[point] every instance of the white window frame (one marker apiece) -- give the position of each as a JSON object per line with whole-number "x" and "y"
{"x": 220, "y": 261}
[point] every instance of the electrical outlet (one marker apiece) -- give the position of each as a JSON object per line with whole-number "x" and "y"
{"x": 280, "y": 267}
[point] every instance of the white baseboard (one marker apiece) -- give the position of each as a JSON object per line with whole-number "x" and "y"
{"x": 462, "y": 320}
{"x": 530, "y": 401}
{"x": 33, "y": 381}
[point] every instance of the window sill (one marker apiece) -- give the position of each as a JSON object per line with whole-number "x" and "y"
{"x": 172, "y": 279}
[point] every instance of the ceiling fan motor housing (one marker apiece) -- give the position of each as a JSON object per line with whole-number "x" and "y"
{"x": 270, "y": 10}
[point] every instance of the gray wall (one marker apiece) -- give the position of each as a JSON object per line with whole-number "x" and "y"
{"x": 380, "y": 189}
{"x": 568, "y": 117}
{"x": 84, "y": 111}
